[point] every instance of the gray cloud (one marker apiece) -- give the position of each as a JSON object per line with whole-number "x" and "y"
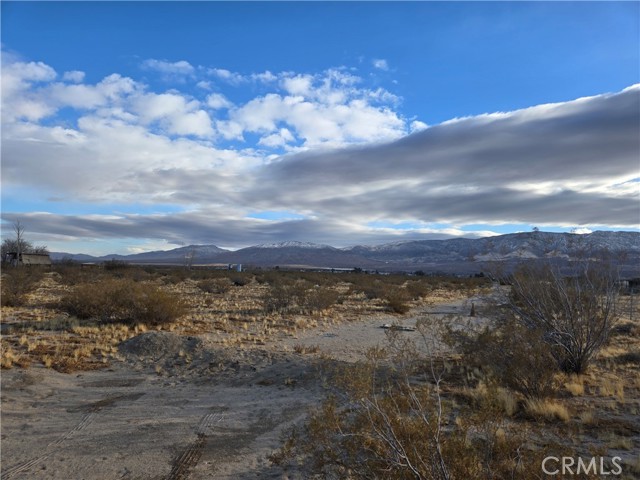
{"x": 553, "y": 163}
{"x": 204, "y": 227}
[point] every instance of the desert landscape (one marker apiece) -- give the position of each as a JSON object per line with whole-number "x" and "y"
{"x": 319, "y": 240}
{"x": 217, "y": 387}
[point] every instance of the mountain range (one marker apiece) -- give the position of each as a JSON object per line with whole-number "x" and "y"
{"x": 457, "y": 255}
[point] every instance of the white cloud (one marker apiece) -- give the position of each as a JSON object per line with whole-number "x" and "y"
{"x": 325, "y": 109}
{"x": 178, "y": 114}
{"x": 181, "y": 67}
{"x": 233, "y": 78}
{"x": 279, "y": 139}
{"x": 264, "y": 77}
{"x": 380, "y": 64}
{"x": 20, "y": 98}
{"x": 417, "y": 126}
{"x": 74, "y": 76}
{"x": 218, "y": 101}
{"x": 298, "y": 85}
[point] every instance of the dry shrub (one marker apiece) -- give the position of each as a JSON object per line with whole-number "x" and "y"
{"x": 576, "y": 312}
{"x": 278, "y": 299}
{"x": 299, "y": 297}
{"x": 214, "y": 285}
{"x": 514, "y": 356}
{"x": 317, "y": 299}
{"x": 396, "y": 299}
{"x": 17, "y": 282}
{"x": 123, "y": 300}
{"x": 305, "y": 349}
{"x": 418, "y": 288}
{"x": 382, "y": 421}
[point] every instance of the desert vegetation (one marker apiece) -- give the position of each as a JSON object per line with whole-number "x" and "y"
{"x": 464, "y": 400}
{"x": 545, "y": 364}
{"x": 72, "y": 317}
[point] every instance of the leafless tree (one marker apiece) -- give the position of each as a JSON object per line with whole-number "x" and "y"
{"x": 575, "y": 310}
{"x": 18, "y": 244}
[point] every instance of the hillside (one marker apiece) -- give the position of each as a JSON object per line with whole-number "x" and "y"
{"x": 457, "y": 255}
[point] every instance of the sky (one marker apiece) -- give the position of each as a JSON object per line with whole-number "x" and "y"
{"x": 138, "y": 126}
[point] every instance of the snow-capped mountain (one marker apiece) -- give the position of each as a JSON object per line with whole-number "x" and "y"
{"x": 462, "y": 255}
{"x": 294, "y": 244}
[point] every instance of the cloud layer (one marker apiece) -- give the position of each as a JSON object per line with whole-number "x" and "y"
{"x": 325, "y": 146}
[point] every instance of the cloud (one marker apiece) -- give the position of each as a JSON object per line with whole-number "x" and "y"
{"x": 352, "y": 162}
{"x": 181, "y": 67}
{"x": 218, "y": 101}
{"x": 484, "y": 169}
{"x": 380, "y": 64}
{"x": 283, "y": 137}
{"x": 74, "y": 76}
{"x": 232, "y": 78}
{"x": 20, "y": 99}
{"x": 175, "y": 113}
{"x": 324, "y": 109}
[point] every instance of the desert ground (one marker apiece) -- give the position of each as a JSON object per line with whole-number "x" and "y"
{"x": 214, "y": 392}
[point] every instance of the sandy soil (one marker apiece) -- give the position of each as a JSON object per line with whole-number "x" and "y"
{"x": 175, "y": 407}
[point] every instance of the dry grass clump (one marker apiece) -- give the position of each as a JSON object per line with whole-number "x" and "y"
{"x": 609, "y": 387}
{"x": 546, "y": 409}
{"x": 575, "y": 385}
{"x": 123, "y": 300}
{"x": 305, "y": 349}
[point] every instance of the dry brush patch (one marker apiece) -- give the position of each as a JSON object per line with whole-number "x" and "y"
{"x": 73, "y": 317}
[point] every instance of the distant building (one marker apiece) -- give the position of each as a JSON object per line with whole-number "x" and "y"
{"x": 16, "y": 259}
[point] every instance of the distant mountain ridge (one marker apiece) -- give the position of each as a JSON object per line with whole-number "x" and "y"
{"x": 456, "y": 255}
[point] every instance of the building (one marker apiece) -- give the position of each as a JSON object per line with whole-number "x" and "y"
{"x": 16, "y": 259}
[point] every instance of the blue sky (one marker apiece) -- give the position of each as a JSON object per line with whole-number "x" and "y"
{"x": 130, "y": 126}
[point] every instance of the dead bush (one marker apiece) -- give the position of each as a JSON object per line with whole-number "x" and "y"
{"x": 278, "y": 299}
{"x": 123, "y": 300}
{"x": 17, "y": 282}
{"x": 317, "y": 299}
{"x": 515, "y": 356}
{"x": 396, "y": 299}
{"x": 214, "y": 285}
{"x": 383, "y": 422}
{"x": 575, "y": 310}
{"x": 298, "y": 297}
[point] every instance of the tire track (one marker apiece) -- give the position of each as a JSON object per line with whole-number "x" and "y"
{"x": 190, "y": 456}
{"x": 86, "y": 420}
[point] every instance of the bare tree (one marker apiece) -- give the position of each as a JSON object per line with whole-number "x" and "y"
{"x": 575, "y": 311}
{"x": 18, "y": 244}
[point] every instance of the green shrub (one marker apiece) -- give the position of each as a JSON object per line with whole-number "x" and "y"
{"x": 123, "y": 300}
